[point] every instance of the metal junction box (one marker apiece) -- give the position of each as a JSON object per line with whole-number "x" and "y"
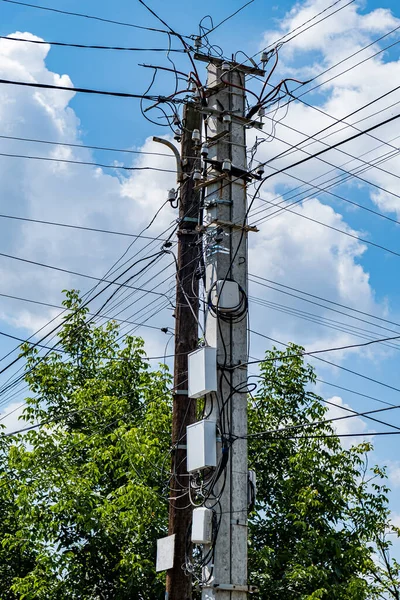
{"x": 202, "y": 372}
{"x": 201, "y": 445}
{"x": 202, "y": 525}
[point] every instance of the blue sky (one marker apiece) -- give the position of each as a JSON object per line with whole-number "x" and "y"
{"x": 289, "y": 249}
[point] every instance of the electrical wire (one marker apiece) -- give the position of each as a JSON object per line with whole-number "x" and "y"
{"x": 76, "y": 14}
{"x": 89, "y": 46}
{"x": 83, "y": 228}
{"x": 48, "y": 86}
{"x": 228, "y": 18}
{"x": 87, "y": 163}
{"x": 356, "y": 310}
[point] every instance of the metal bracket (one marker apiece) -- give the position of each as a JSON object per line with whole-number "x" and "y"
{"x": 189, "y": 220}
{"x": 211, "y": 203}
{"x": 234, "y": 65}
{"x": 235, "y": 226}
{"x": 187, "y": 232}
{"x": 210, "y": 182}
{"x": 180, "y": 392}
{"x": 231, "y": 587}
{"x": 181, "y": 447}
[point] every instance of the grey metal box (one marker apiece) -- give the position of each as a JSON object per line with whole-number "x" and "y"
{"x": 202, "y": 372}
{"x": 202, "y": 525}
{"x": 201, "y": 445}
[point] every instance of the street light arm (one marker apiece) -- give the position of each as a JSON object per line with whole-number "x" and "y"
{"x": 177, "y": 155}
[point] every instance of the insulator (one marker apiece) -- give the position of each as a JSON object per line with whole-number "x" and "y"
{"x": 177, "y": 135}
{"x": 196, "y": 137}
{"x": 226, "y": 165}
{"x": 261, "y": 112}
{"x": 225, "y": 66}
{"x": 226, "y": 118}
{"x": 197, "y": 42}
{"x": 260, "y": 170}
{"x": 196, "y": 175}
{"x": 264, "y": 57}
{"x": 204, "y": 150}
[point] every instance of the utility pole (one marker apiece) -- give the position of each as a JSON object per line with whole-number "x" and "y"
{"x": 179, "y": 583}
{"x": 226, "y": 254}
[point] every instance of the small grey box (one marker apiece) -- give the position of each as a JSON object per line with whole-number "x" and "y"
{"x": 202, "y": 371}
{"x": 202, "y": 525}
{"x": 165, "y": 553}
{"x": 201, "y": 445}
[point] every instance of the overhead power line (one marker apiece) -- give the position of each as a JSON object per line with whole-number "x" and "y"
{"x": 85, "y": 16}
{"x": 229, "y": 17}
{"x": 58, "y": 306}
{"x": 306, "y": 23}
{"x": 81, "y": 227}
{"x": 76, "y": 273}
{"x": 48, "y": 86}
{"x": 328, "y": 362}
{"x": 86, "y": 163}
{"x": 335, "y": 348}
{"x": 356, "y": 310}
{"x": 90, "y": 46}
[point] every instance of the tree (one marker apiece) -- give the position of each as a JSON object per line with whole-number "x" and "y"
{"x": 84, "y": 496}
{"x": 90, "y": 480}
{"x": 322, "y": 515}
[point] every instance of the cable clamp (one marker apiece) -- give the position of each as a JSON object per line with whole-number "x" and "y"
{"x": 240, "y": 523}
{"x": 181, "y": 447}
{"x": 180, "y": 392}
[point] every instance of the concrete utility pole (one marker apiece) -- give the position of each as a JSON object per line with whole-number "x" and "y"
{"x": 225, "y": 577}
{"x": 179, "y": 584}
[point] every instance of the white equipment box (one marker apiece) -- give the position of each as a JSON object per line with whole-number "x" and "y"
{"x": 225, "y": 295}
{"x": 165, "y": 553}
{"x": 201, "y": 440}
{"x": 202, "y": 372}
{"x": 202, "y": 525}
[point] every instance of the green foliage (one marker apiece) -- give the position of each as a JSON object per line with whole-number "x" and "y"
{"x": 87, "y": 494}
{"x": 83, "y": 496}
{"x": 322, "y": 516}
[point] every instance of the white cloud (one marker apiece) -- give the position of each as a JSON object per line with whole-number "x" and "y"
{"x": 346, "y": 426}
{"x": 10, "y": 417}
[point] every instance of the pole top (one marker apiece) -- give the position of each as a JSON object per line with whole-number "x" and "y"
{"x": 233, "y": 64}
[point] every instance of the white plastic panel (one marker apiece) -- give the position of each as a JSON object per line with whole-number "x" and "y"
{"x": 226, "y": 295}
{"x": 165, "y": 553}
{"x": 202, "y": 372}
{"x": 201, "y": 445}
{"x": 202, "y": 525}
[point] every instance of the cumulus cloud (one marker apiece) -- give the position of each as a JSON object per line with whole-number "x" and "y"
{"x": 346, "y": 426}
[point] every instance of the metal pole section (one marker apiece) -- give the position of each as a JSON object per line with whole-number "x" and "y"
{"x": 227, "y": 259}
{"x": 179, "y": 583}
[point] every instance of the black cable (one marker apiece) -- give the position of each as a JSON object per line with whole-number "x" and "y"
{"x": 89, "y": 46}
{"x": 76, "y": 14}
{"x": 328, "y": 362}
{"x": 342, "y": 231}
{"x": 305, "y": 23}
{"x": 229, "y": 17}
{"x": 87, "y": 163}
{"x": 81, "y": 227}
{"x": 48, "y": 86}
{"x": 72, "y": 145}
{"x": 321, "y": 320}
{"x": 327, "y": 300}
